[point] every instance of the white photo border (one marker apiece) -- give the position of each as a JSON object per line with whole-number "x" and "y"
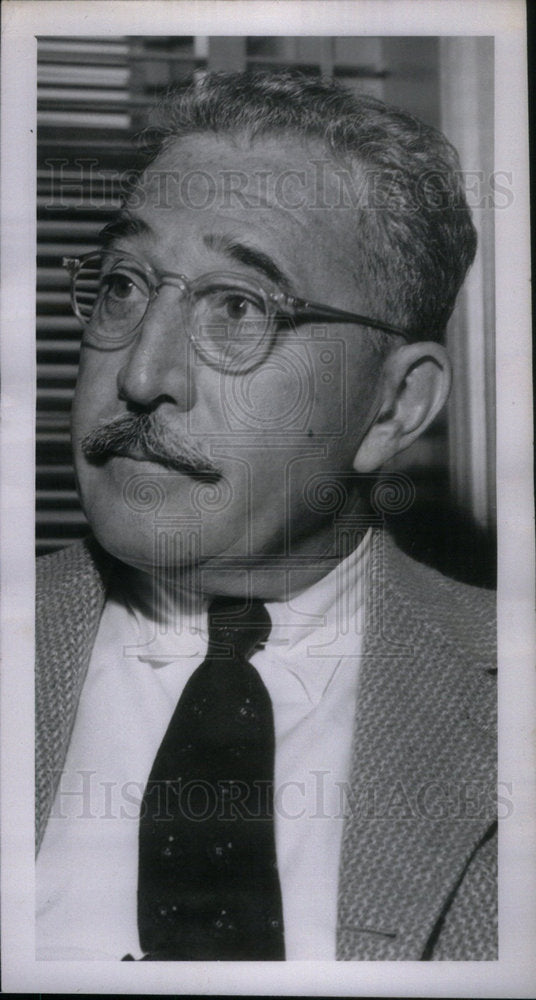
{"x": 514, "y": 973}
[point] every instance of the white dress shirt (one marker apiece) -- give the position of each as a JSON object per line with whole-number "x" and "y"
{"x": 87, "y": 866}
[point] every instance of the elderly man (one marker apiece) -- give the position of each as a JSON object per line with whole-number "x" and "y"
{"x": 262, "y": 731}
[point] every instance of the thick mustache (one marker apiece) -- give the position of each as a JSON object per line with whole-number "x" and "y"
{"x": 143, "y": 436}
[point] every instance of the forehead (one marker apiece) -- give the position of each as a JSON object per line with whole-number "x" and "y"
{"x": 229, "y": 171}
{"x": 278, "y": 193}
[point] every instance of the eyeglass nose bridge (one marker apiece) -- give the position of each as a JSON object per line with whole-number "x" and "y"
{"x": 179, "y": 281}
{"x": 172, "y": 280}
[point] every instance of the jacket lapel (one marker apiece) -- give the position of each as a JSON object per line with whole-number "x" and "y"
{"x": 422, "y": 791}
{"x": 70, "y": 596}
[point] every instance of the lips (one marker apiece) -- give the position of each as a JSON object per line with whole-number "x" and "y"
{"x": 137, "y": 454}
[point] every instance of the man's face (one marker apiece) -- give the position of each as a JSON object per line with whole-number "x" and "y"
{"x": 279, "y": 434}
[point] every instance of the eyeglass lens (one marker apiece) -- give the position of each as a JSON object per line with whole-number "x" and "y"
{"x": 227, "y": 320}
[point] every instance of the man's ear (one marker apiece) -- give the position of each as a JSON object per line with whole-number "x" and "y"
{"x": 414, "y": 386}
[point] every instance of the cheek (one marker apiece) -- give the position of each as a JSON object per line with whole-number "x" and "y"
{"x": 274, "y": 398}
{"x": 96, "y": 388}
{"x": 364, "y": 368}
{"x": 298, "y": 389}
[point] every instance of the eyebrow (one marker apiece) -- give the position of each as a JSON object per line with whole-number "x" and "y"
{"x": 123, "y": 225}
{"x": 249, "y": 256}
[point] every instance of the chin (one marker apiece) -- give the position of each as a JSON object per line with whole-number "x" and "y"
{"x": 144, "y": 544}
{"x": 137, "y": 551}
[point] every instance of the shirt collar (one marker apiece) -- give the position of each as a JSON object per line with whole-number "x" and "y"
{"x": 318, "y": 629}
{"x": 334, "y": 599}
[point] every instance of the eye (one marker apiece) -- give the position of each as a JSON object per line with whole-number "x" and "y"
{"x": 234, "y": 305}
{"x": 117, "y": 285}
{"x": 238, "y": 306}
{"x": 122, "y": 291}
{"x": 228, "y": 317}
{"x": 122, "y": 300}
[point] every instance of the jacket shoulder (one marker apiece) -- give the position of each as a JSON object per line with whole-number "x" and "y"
{"x": 445, "y": 622}
{"x": 75, "y": 576}
{"x": 463, "y": 613}
{"x": 59, "y": 569}
{"x": 70, "y": 591}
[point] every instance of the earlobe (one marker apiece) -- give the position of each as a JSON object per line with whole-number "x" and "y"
{"x": 415, "y": 385}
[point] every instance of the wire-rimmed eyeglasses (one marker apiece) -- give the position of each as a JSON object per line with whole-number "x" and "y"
{"x": 231, "y": 320}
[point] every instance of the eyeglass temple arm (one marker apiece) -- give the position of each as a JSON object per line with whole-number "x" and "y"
{"x": 329, "y": 312}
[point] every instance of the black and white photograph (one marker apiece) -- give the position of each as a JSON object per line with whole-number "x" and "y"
{"x": 282, "y": 502}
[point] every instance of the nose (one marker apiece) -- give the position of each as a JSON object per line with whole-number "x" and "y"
{"x": 157, "y": 363}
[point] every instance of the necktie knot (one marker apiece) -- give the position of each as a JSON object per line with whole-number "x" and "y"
{"x": 236, "y": 629}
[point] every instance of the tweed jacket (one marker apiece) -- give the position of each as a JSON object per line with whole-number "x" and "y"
{"x": 418, "y": 867}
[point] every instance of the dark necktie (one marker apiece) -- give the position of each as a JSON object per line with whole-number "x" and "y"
{"x": 208, "y": 886}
